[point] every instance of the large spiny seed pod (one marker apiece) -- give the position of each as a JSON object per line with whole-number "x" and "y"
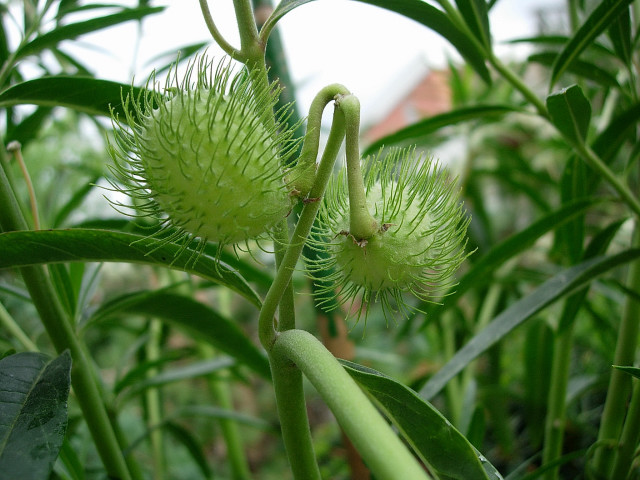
{"x": 418, "y": 245}
{"x": 203, "y": 155}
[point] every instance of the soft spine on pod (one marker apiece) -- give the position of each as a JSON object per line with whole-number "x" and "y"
{"x": 419, "y": 243}
{"x": 198, "y": 156}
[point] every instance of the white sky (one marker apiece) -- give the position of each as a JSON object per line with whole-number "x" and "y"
{"x": 372, "y": 51}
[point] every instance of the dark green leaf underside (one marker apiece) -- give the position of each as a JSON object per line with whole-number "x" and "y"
{"x": 33, "y": 413}
{"x": 430, "y": 434}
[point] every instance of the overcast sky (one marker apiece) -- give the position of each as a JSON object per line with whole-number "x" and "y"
{"x": 371, "y": 51}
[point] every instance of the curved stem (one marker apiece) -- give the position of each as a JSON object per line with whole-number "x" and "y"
{"x": 215, "y": 33}
{"x": 361, "y": 223}
{"x": 301, "y": 177}
{"x": 519, "y": 85}
{"x": 379, "y": 446}
{"x": 266, "y": 329}
{"x": 251, "y": 47}
{"x": 287, "y": 381}
{"x": 599, "y": 166}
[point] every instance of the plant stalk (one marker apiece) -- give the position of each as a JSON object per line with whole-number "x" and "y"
{"x": 630, "y": 436}
{"x": 62, "y": 335}
{"x": 380, "y": 447}
{"x": 556, "y": 404}
{"x": 620, "y": 382}
{"x": 287, "y": 381}
{"x": 7, "y": 321}
{"x": 361, "y": 224}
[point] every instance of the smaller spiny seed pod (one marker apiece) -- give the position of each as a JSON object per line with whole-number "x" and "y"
{"x": 418, "y": 244}
{"x": 203, "y": 156}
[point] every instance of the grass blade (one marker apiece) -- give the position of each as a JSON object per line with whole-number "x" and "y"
{"x": 553, "y": 289}
{"x": 24, "y": 248}
{"x": 604, "y": 15}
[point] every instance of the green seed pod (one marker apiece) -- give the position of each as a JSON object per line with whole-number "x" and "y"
{"x": 418, "y": 245}
{"x": 201, "y": 156}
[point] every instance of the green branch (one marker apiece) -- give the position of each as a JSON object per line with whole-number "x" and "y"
{"x": 380, "y": 447}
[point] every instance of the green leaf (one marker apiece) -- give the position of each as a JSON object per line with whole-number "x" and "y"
{"x": 137, "y": 381}
{"x": 560, "y": 41}
{"x": 23, "y": 248}
{"x": 565, "y": 282}
{"x": 604, "y": 14}
{"x": 192, "y": 317}
{"x": 84, "y": 94}
{"x": 417, "y": 10}
{"x": 570, "y": 112}
{"x": 476, "y": 16}
{"x": 633, "y": 371}
{"x": 425, "y": 127}
{"x": 588, "y": 70}
{"x": 620, "y": 35}
{"x": 33, "y": 413}
{"x": 71, "y": 31}
{"x": 430, "y": 434}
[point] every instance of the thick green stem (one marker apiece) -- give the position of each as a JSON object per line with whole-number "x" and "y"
{"x": 60, "y": 330}
{"x": 599, "y": 166}
{"x": 215, "y": 33}
{"x": 519, "y": 85}
{"x": 287, "y": 381}
{"x": 154, "y": 402}
{"x": 266, "y": 329}
{"x": 294, "y": 423}
{"x": 380, "y": 447}
{"x": 555, "y": 421}
{"x": 251, "y": 47}
{"x": 361, "y": 224}
{"x": 629, "y": 438}
{"x": 620, "y": 382}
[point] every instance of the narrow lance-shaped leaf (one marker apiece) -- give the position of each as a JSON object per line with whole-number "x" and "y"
{"x": 553, "y": 289}
{"x": 584, "y": 69}
{"x": 620, "y": 35}
{"x": 428, "y": 432}
{"x": 570, "y": 112}
{"x": 603, "y": 15}
{"x": 87, "y": 95}
{"x": 33, "y": 413}
{"x": 633, "y": 371}
{"x": 476, "y": 16}
{"x": 192, "y": 317}
{"x": 71, "y": 31}
{"x": 24, "y": 248}
{"x": 432, "y": 124}
{"x": 417, "y": 10}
